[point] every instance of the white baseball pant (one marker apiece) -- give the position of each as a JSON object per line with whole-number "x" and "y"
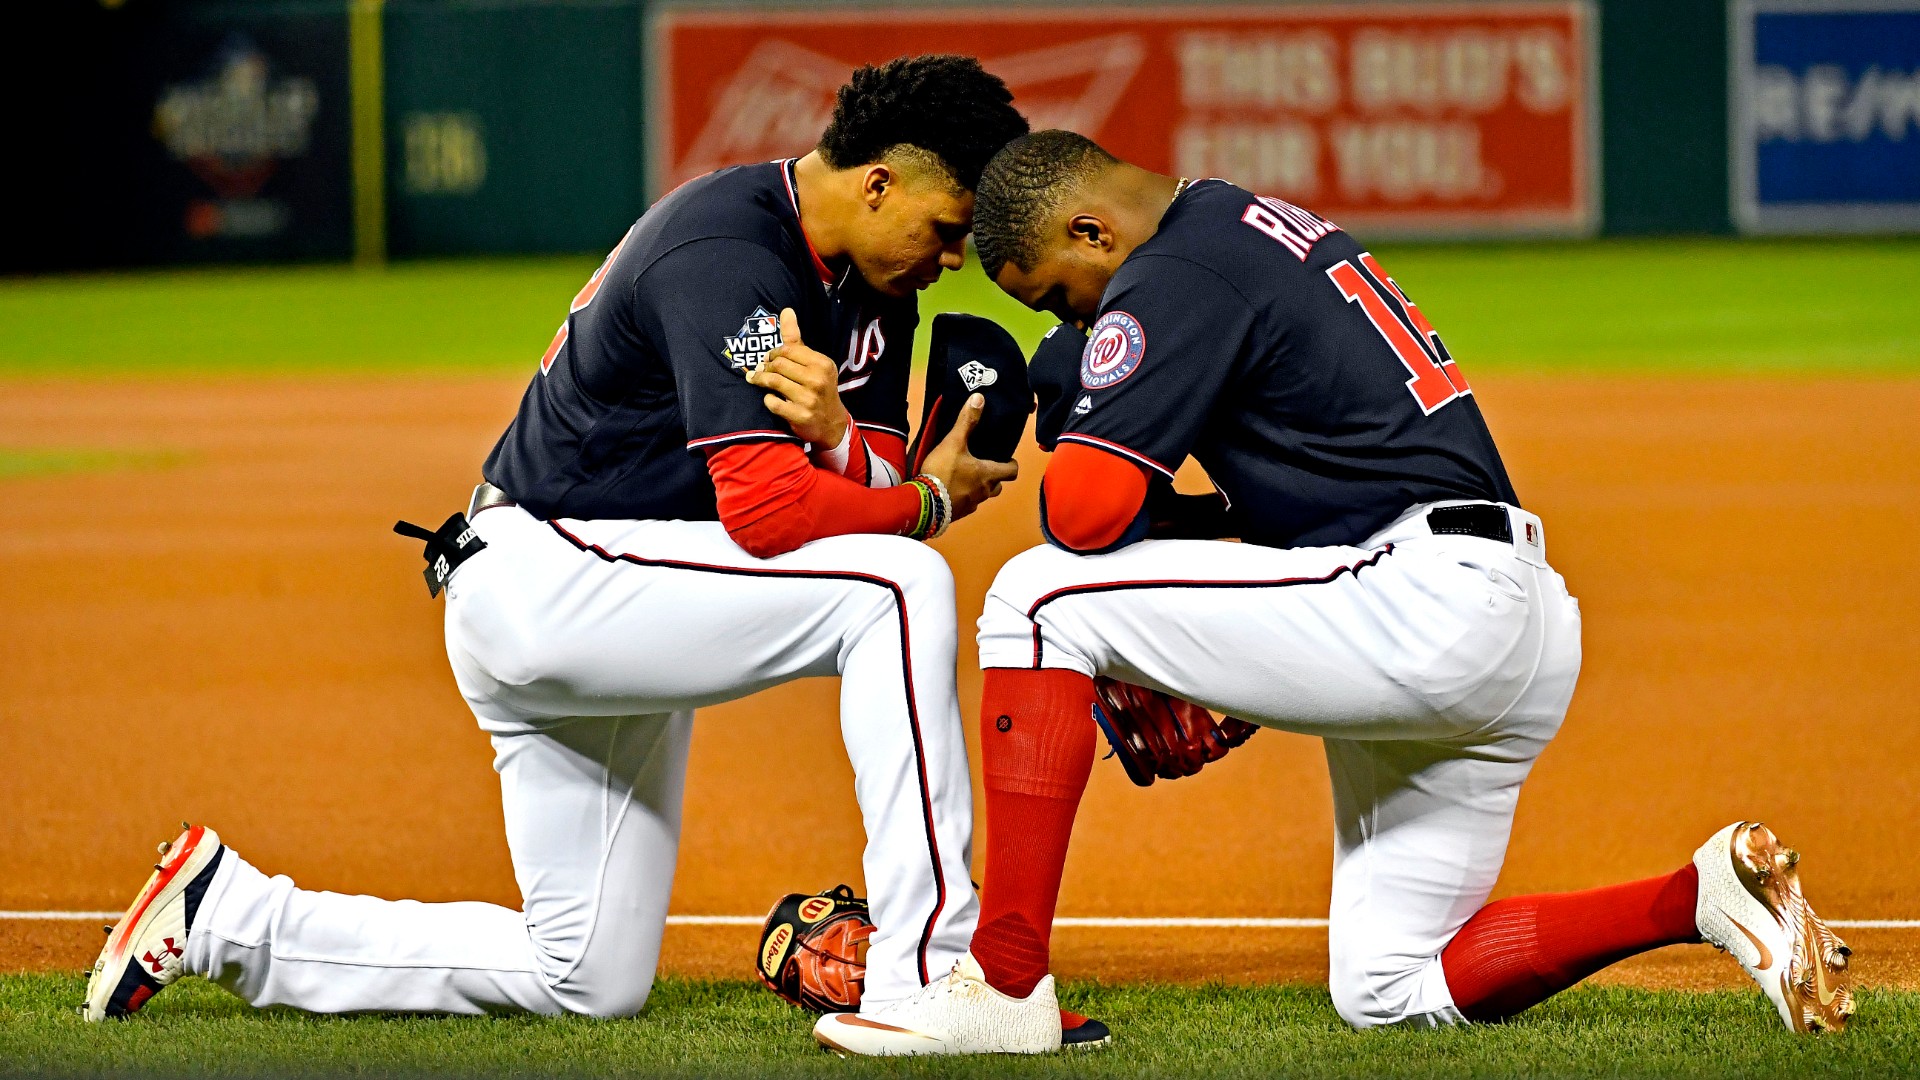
{"x": 1435, "y": 668}
{"x": 583, "y": 648}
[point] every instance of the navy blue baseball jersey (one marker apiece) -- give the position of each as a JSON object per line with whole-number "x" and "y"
{"x": 649, "y": 370}
{"x": 1266, "y": 343}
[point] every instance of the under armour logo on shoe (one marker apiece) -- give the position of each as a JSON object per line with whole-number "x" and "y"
{"x": 158, "y": 963}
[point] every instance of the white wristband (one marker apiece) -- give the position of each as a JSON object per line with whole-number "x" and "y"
{"x": 838, "y": 457}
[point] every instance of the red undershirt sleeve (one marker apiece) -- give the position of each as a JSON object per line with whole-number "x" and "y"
{"x": 889, "y": 448}
{"x": 869, "y": 458}
{"x": 772, "y": 499}
{"x": 1091, "y": 496}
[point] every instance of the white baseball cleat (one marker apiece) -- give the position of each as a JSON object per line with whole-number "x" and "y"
{"x": 957, "y": 1013}
{"x": 144, "y": 951}
{"x": 1751, "y": 906}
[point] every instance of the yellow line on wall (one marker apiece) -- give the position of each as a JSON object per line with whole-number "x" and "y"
{"x": 366, "y": 78}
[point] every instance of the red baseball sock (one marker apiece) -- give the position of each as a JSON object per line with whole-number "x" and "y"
{"x": 1515, "y": 953}
{"x": 1036, "y": 750}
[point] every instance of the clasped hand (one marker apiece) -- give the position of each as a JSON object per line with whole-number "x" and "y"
{"x": 803, "y": 388}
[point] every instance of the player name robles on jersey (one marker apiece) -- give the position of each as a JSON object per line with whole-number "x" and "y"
{"x": 1319, "y": 427}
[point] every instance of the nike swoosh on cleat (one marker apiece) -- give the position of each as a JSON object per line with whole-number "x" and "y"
{"x": 1766, "y": 954}
{"x": 1827, "y": 995}
{"x": 861, "y": 1021}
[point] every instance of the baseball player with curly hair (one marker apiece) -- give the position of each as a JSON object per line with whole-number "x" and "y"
{"x": 1390, "y": 596}
{"x": 704, "y": 494}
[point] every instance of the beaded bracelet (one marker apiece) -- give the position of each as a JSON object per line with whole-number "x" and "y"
{"x": 936, "y": 507}
{"x": 918, "y": 530}
{"x": 944, "y": 504}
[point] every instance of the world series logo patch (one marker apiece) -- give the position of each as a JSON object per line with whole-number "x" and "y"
{"x": 757, "y": 337}
{"x": 1114, "y": 348}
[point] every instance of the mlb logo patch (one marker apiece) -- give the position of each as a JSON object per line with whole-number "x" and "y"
{"x": 1114, "y": 348}
{"x": 759, "y": 335}
{"x": 975, "y": 375}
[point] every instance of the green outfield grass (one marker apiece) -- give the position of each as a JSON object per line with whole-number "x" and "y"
{"x": 1643, "y": 306}
{"x": 16, "y": 463}
{"x": 738, "y": 1029}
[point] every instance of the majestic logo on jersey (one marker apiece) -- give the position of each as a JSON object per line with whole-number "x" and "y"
{"x": 1114, "y": 348}
{"x": 976, "y": 375}
{"x": 757, "y": 337}
{"x": 1084, "y": 405}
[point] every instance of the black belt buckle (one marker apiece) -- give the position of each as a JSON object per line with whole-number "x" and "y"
{"x": 453, "y": 544}
{"x": 1488, "y": 521}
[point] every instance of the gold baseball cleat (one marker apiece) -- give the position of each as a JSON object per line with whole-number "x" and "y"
{"x": 1751, "y": 906}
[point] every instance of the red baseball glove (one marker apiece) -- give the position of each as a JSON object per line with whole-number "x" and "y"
{"x": 1158, "y": 735}
{"x": 813, "y": 949}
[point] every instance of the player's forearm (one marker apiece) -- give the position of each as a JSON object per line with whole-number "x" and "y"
{"x": 869, "y": 458}
{"x": 887, "y": 456}
{"x": 772, "y": 499}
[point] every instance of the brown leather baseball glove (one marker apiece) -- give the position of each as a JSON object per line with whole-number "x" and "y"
{"x": 813, "y": 949}
{"x": 1158, "y": 735}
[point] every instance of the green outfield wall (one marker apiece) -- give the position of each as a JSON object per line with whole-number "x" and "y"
{"x": 512, "y": 127}
{"x": 1663, "y": 110}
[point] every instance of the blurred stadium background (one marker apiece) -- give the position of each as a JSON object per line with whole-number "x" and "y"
{"x": 173, "y": 131}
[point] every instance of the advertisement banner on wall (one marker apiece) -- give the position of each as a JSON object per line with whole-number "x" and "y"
{"x": 1825, "y": 115}
{"x": 1437, "y": 118}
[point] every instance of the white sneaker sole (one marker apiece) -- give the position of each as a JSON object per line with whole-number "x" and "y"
{"x": 1751, "y": 906}
{"x": 159, "y": 902}
{"x": 851, "y": 1035}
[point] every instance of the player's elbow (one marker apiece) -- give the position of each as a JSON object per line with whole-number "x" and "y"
{"x": 766, "y": 537}
{"x": 1075, "y": 529}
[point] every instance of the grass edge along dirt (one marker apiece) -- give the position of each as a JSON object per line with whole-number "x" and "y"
{"x": 1642, "y": 306}
{"x": 702, "y": 1028}
{"x": 20, "y": 463}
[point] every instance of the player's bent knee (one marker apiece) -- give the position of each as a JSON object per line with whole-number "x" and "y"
{"x": 1032, "y": 574}
{"x": 920, "y": 573}
{"x": 605, "y": 998}
{"x": 1388, "y": 991}
{"x": 911, "y": 562}
{"x": 1008, "y": 630}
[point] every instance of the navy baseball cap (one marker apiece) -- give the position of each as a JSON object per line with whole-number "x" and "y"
{"x": 969, "y": 355}
{"x": 1055, "y": 374}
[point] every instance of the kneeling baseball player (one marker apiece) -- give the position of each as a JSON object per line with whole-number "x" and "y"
{"x": 1391, "y": 597}
{"x": 693, "y": 504}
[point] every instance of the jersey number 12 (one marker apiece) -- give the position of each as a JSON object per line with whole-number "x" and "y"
{"x": 1435, "y": 380}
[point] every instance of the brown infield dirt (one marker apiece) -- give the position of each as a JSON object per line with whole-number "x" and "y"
{"x": 237, "y": 639}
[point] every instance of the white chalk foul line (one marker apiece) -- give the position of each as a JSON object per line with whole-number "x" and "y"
{"x": 1067, "y": 922}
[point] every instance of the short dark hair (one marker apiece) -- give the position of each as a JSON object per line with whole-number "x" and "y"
{"x": 944, "y": 104}
{"x": 1020, "y": 192}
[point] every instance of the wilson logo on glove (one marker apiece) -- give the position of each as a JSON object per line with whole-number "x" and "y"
{"x": 822, "y": 966}
{"x": 773, "y": 950}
